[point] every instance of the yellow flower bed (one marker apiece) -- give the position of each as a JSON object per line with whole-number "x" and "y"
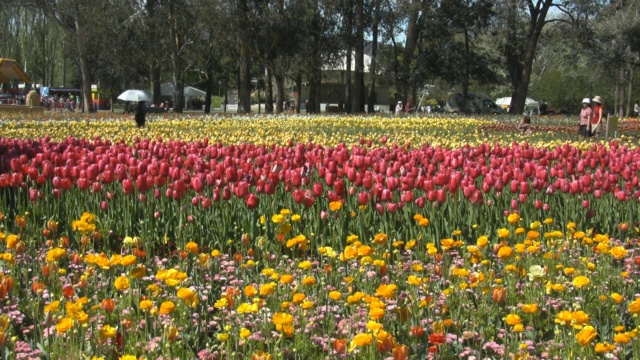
{"x": 323, "y": 130}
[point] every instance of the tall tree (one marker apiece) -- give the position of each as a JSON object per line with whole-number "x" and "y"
{"x": 359, "y": 89}
{"x": 75, "y": 18}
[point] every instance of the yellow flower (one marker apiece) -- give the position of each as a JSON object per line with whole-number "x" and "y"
{"x": 107, "y": 332}
{"x": 571, "y": 225}
{"x": 380, "y": 239}
{"x": 167, "y": 307}
{"x": 190, "y": 296}
{"x": 621, "y": 338}
{"x": 267, "y": 289}
{"x": 246, "y": 308}
{"x": 587, "y": 335}
{"x": 376, "y": 313}
{"x": 634, "y": 306}
{"x": 503, "y": 233}
{"x": 277, "y": 218}
{"x": 222, "y": 336}
{"x": 505, "y": 252}
{"x": 308, "y": 281}
{"x": 580, "y": 317}
{"x": 513, "y": 218}
{"x": 121, "y": 283}
{"x": 482, "y": 241}
{"x": 221, "y": 303}
{"x": 53, "y": 307}
{"x": 618, "y": 252}
{"x": 307, "y": 304}
{"x": 512, "y": 319}
{"x": 362, "y": 339}
{"x": 245, "y": 333}
{"x": 335, "y": 205}
{"x": 250, "y": 291}
{"x": 305, "y": 265}
{"x": 192, "y": 247}
{"x": 146, "y": 305}
{"x": 129, "y": 357}
{"x": 602, "y": 348}
{"x": 295, "y": 218}
{"x": 282, "y": 319}
{"x": 617, "y": 298}
{"x": 298, "y": 298}
{"x": 286, "y": 279}
{"x": 335, "y": 295}
{"x": 64, "y": 325}
{"x": 414, "y": 280}
{"x": 548, "y": 221}
{"x": 530, "y": 308}
{"x": 581, "y": 281}
{"x": 386, "y": 291}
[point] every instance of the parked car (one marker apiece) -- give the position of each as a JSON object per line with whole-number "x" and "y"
{"x": 477, "y": 103}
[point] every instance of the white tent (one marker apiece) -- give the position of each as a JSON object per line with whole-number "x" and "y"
{"x": 506, "y": 101}
{"x": 166, "y": 89}
{"x": 190, "y": 92}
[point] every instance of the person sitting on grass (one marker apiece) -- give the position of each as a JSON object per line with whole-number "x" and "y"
{"x": 525, "y": 125}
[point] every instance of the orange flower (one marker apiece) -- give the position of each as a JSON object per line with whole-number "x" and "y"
{"x": 261, "y": 355}
{"x": 401, "y": 352}
{"x": 380, "y": 239}
{"x": 386, "y": 291}
{"x": 107, "y": 305}
{"x": 167, "y": 307}
{"x": 499, "y": 294}
{"x": 282, "y": 319}
{"x": 340, "y": 345}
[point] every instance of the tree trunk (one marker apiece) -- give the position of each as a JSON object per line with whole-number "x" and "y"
{"x": 279, "y": 92}
{"x": 358, "y": 100}
{"x": 621, "y": 101}
{"x": 630, "y": 93}
{"x": 244, "y": 85}
{"x": 465, "y": 79}
{"x": 348, "y": 39}
{"x": 410, "y": 45}
{"x": 299, "y": 92}
{"x": 156, "y": 92}
{"x": 87, "y": 103}
{"x": 176, "y": 60}
{"x": 374, "y": 51}
{"x": 209, "y": 89}
{"x": 521, "y": 75}
{"x": 268, "y": 106}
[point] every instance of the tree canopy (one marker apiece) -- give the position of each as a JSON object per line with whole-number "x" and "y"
{"x": 560, "y": 51}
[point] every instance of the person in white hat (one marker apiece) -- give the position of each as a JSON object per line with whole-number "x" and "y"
{"x": 586, "y": 114}
{"x": 399, "y": 108}
{"x": 598, "y": 114}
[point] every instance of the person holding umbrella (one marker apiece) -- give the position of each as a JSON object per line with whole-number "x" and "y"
{"x": 140, "y": 97}
{"x": 140, "y": 115}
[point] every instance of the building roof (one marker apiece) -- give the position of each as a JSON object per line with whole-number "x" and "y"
{"x": 9, "y": 70}
{"x": 341, "y": 63}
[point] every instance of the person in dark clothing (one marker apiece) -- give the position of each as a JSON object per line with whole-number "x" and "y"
{"x": 140, "y": 115}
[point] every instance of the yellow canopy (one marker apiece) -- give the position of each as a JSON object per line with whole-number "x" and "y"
{"x": 9, "y": 70}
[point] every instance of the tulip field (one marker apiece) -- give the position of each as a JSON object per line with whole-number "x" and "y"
{"x": 327, "y": 237}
